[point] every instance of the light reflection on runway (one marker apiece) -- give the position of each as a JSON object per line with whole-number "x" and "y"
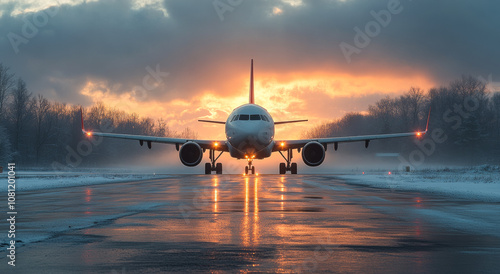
{"x": 243, "y": 223}
{"x": 216, "y": 192}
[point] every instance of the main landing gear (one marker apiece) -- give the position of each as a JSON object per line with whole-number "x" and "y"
{"x": 209, "y": 167}
{"x": 289, "y": 166}
{"x": 250, "y": 167}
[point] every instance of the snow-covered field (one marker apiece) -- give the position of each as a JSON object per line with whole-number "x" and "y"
{"x": 42, "y": 179}
{"x": 474, "y": 183}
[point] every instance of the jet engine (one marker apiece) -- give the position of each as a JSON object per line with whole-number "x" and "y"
{"x": 190, "y": 154}
{"x": 313, "y": 153}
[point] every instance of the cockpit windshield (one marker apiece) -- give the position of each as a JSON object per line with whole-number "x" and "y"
{"x": 252, "y": 117}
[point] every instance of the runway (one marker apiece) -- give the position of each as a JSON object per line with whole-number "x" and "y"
{"x": 235, "y": 223}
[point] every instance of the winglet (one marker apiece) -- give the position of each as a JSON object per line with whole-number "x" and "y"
{"x": 252, "y": 101}
{"x": 428, "y": 118}
{"x": 421, "y": 133}
{"x": 88, "y": 133}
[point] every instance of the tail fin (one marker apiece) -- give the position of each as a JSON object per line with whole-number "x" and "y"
{"x": 252, "y": 101}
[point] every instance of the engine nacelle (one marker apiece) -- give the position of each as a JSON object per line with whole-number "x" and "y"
{"x": 190, "y": 154}
{"x": 313, "y": 154}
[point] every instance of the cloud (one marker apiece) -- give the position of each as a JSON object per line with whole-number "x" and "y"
{"x": 295, "y": 45}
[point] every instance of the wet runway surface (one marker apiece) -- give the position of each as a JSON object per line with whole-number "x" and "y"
{"x": 268, "y": 223}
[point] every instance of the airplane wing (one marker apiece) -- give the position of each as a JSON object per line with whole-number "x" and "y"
{"x": 282, "y": 145}
{"x": 287, "y": 144}
{"x": 218, "y": 145}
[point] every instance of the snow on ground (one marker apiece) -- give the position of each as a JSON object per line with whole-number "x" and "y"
{"x": 42, "y": 179}
{"x": 474, "y": 183}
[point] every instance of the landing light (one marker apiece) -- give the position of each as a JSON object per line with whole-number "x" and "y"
{"x": 216, "y": 144}
{"x": 89, "y": 133}
{"x": 419, "y": 134}
{"x": 282, "y": 144}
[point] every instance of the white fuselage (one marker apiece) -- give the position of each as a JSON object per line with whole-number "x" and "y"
{"x": 250, "y": 132}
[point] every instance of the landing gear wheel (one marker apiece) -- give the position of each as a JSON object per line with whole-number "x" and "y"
{"x": 282, "y": 168}
{"x": 253, "y": 170}
{"x": 212, "y": 166}
{"x": 246, "y": 170}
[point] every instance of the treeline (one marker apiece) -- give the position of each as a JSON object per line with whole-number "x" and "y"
{"x": 464, "y": 124}
{"x": 37, "y": 132}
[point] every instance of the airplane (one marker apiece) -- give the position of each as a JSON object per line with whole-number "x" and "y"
{"x": 250, "y": 135}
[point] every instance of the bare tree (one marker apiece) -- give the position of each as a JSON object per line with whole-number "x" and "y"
{"x": 416, "y": 100}
{"x": 43, "y": 126}
{"x": 20, "y": 111}
{"x": 6, "y": 84}
{"x": 384, "y": 110}
{"x": 162, "y": 129}
{"x": 189, "y": 133}
{"x": 5, "y": 148}
{"x": 495, "y": 102}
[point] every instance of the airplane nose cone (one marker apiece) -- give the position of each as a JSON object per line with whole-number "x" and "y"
{"x": 249, "y": 139}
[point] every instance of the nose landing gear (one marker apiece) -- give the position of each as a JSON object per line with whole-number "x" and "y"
{"x": 250, "y": 167}
{"x": 212, "y": 166}
{"x": 289, "y": 166}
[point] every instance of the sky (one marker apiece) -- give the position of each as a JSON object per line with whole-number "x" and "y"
{"x": 190, "y": 59}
